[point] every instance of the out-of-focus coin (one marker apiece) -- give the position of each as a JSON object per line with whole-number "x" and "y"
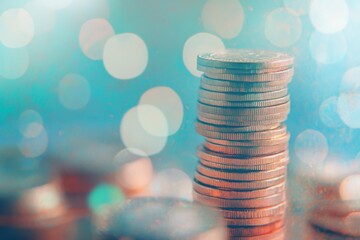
{"x": 248, "y": 231}
{"x": 237, "y": 97}
{"x": 254, "y": 212}
{"x": 275, "y": 235}
{"x": 236, "y": 203}
{"x": 239, "y": 111}
{"x": 244, "y": 104}
{"x": 226, "y": 129}
{"x": 238, "y": 136}
{"x": 210, "y": 156}
{"x": 247, "y": 151}
{"x": 247, "y": 143}
{"x": 242, "y": 123}
{"x": 233, "y": 194}
{"x": 245, "y": 59}
{"x": 238, "y": 222}
{"x": 241, "y": 185}
{"x": 284, "y": 75}
{"x": 241, "y": 176}
{"x": 262, "y": 167}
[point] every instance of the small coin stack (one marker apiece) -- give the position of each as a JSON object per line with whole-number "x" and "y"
{"x": 243, "y": 101}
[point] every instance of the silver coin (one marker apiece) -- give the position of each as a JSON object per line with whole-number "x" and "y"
{"x": 241, "y": 71}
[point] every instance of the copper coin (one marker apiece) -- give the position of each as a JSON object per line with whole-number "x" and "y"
{"x": 226, "y": 129}
{"x": 255, "y": 231}
{"x": 242, "y": 123}
{"x": 238, "y": 136}
{"x": 254, "y": 221}
{"x": 246, "y": 104}
{"x": 244, "y": 176}
{"x": 284, "y": 75}
{"x": 242, "y": 96}
{"x": 211, "y": 156}
{"x": 239, "y": 111}
{"x": 262, "y": 167}
{"x": 233, "y": 194}
{"x": 241, "y": 185}
{"x": 274, "y": 235}
{"x": 252, "y": 143}
{"x": 249, "y": 151}
{"x": 244, "y": 203}
{"x": 255, "y": 213}
{"x": 245, "y": 59}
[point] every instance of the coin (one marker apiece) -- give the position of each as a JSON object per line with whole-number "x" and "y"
{"x": 261, "y": 167}
{"x": 246, "y": 119}
{"x": 251, "y": 143}
{"x": 242, "y": 185}
{"x": 243, "y": 176}
{"x": 245, "y": 59}
{"x": 250, "y": 222}
{"x": 238, "y": 136}
{"x": 274, "y": 235}
{"x": 284, "y": 75}
{"x": 245, "y": 104}
{"x": 247, "y": 151}
{"x": 254, "y": 212}
{"x": 240, "y": 111}
{"x": 242, "y": 123}
{"x": 255, "y": 230}
{"x": 215, "y": 128}
{"x": 233, "y": 194}
{"x": 244, "y": 203}
{"x": 210, "y": 156}
{"x": 235, "y": 97}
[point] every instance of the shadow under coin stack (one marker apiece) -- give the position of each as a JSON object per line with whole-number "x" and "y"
{"x": 243, "y": 101}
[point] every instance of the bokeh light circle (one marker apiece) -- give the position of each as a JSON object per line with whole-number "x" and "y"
{"x": 197, "y": 44}
{"x": 153, "y": 120}
{"x": 14, "y": 62}
{"x": 297, "y": 7}
{"x": 93, "y": 36}
{"x": 169, "y": 102}
{"x": 56, "y": 4}
{"x": 135, "y": 169}
{"x": 17, "y": 28}
{"x": 34, "y": 146}
{"x": 349, "y": 99}
{"x": 125, "y": 56}
{"x": 329, "y": 17}
{"x": 225, "y": 17}
{"x": 133, "y": 134}
{"x": 282, "y": 28}
{"x": 44, "y": 18}
{"x": 30, "y": 123}
{"x": 311, "y": 147}
{"x": 349, "y": 188}
{"x": 328, "y": 113}
{"x": 74, "y": 91}
{"x": 328, "y": 48}
{"x": 105, "y": 195}
{"x": 172, "y": 183}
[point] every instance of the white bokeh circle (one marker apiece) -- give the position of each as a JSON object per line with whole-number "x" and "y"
{"x": 14, "y": 62}
{"x": 169, "y": 102}
{"x": 329, "y": 17}
{"x": 74, "y": 91}
{"x": 349, "y": 188}
{"x": 44, "y": 18}
{"x": 125, "y": 56}
{"x": 328, "y": 48}
{"x": 93, "y": 35}
{"x": 199, "y": 43}
{"x": 17, "y": 28}
{"x": 282, "y": 28}
{"x": 30, "y": 123}
{"x": 135, "y": 136}
{"x": 311, "y": 147}
{"x": 34, "y": 146}
{"x": 226, "y": 17}
{"x": 328, "y": 112}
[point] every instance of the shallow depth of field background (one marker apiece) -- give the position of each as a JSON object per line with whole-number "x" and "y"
{"x": 104, "y": 86}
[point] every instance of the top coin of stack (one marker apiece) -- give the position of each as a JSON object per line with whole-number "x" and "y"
{"x": 243, "y": 100}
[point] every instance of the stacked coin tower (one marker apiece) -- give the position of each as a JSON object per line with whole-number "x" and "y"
{"x": 243, "y": 101}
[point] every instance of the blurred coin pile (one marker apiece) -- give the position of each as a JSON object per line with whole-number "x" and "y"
{"x": 243, "y": 101}
{"x": 335, "y": 220}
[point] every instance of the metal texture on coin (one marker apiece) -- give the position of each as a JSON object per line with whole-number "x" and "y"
{"x": 251, "y": 143}
{"x": 251, "y": 167}
{"x": 241, "y": 123}
{"x": 216, "y": 128}
{"x": 254, "y": 212}
{"x": 247, "y": 151}
{"x": 238, "y": 222}
{"x": 249, "y": 231}
{"x": 274, "y": 235}
{"x": 245, "y": 59}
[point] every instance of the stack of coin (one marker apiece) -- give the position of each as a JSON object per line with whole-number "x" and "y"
{"x": 243, "y": 101}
